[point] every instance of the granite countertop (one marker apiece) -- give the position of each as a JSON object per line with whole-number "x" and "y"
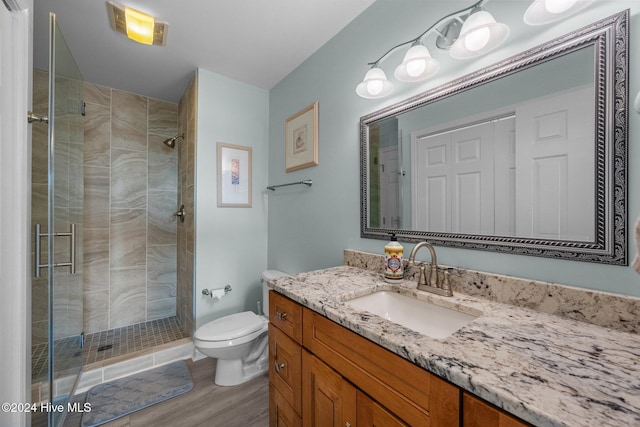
{"x": 544, "y": 369}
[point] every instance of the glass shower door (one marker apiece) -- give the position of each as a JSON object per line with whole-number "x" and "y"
{"x": 64, "y": 223}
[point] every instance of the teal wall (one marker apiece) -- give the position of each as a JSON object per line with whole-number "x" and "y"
{"x": 231, "y": 243}
{"x": 308, "y": 228}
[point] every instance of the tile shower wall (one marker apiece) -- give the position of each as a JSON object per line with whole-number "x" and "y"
{"x": 130, "y": 189}
{"x": 186, "y": 173}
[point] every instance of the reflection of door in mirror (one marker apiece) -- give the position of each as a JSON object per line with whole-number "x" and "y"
{"x": 389, "y": 187}
{"x": 554, "y": 158}
{"x": 519, "y": 171}
{"x": 384, "y": 209}
{"x": 453, "y": 177}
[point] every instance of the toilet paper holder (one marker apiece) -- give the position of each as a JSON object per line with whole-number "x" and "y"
{"x": 215, "y": 291}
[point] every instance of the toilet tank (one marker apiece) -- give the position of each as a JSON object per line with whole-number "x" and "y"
{"x": 269, "y": 275}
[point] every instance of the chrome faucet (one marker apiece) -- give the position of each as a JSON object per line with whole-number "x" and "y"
{"x": 432, "y": 283}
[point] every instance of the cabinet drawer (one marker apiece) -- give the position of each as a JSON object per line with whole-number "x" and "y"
{"x": 405, "y": 389}
{"x": 285, "y": 367}
{"x": 281, "y": 414}
{"x": 286, "y": 315}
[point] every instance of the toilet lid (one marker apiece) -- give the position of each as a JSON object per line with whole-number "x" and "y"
{"x": 230, "y": 327}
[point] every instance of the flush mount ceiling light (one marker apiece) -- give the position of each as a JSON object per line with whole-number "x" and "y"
{"x": 543, "y": 12}
{"x": 467, "y": 33}
{"x": 136, "y": 25}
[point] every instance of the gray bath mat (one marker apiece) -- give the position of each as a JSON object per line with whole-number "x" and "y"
{"x": 118, "y": 398}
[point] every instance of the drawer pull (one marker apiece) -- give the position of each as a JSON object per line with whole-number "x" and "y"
{"x": 347, "y": 424}
{"x": 277, "y": 366}
{"x": 281, "y": 316}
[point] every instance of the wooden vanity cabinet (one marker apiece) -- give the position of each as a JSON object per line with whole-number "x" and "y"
{"x": 346, "y": 379}
{"x": 478, "y": 413}
{"x": 322, "y": 374}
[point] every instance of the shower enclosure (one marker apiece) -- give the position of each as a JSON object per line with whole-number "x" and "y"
{"x": 57, "y": 203}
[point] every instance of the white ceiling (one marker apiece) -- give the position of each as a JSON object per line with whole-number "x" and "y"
{"x": 254, "y": 41}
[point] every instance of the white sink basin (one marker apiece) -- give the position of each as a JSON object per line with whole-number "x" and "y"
{"x": 420, "y": 316}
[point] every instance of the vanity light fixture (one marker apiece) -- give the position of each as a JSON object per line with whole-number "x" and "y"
{"x": 542, "y": 12}
{"x": 477, "y": 36}
{"x": 480, "y": 34}
{"x": 137, "y": 25}
{"x": 467, "y": 33}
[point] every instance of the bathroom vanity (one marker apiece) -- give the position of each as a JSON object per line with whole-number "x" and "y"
{"x": 333, "y": 364}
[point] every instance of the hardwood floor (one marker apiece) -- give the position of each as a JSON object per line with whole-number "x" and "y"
{"x": 207, "y": 404}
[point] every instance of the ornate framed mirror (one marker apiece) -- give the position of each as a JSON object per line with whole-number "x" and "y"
{"x": 526, "y": 156}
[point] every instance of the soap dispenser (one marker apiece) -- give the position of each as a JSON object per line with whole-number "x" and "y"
{"x": 393, "y": 268}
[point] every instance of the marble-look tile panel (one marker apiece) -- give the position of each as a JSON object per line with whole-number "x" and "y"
{"x": 39, "y": 153}
{"x": 128, "y": 179}
{"x": 96, "y": 197}
{"x": 96, "y": 259}
{"x": 163, "y": 165}
{"x": 161, "y": 309}
{"x": 97, "y": 94}
{"x": 76, "y": 175}
{"x": 163, "y": 118}
{"x": 39, "y": 206}
{"x": 599, "y": 308}
{"x": 128, "y": 302}
{"x": 162, "y": 222}
{"x": 190, "y": 138}
{"x": 189, "y": 228}
{"x": 128, "y": 121}
{"x": 40, "y": 297}
{"x": 96, "y": 310}
{"x": 127, "y": 367}
{"x": 128, "y": 238}
{"x": 97, "y": 135}
{"x": 161, "y": 272}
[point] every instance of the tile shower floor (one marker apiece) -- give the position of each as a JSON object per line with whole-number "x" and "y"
{"x": 104, "y": 345}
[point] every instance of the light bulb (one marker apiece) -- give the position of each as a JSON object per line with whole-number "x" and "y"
{"x": 559, "y": 6}
{"x": 416, "y": 67}
{"x": 477, "y": 39}
{"x": 374, "y": 87}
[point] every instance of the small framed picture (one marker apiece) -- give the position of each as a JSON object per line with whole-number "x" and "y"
{"x": 301, "y": 143}
{"x": 234, "y": 176}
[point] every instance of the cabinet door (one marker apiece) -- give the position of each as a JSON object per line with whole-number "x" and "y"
{"x": 281, "y": 414}
{"x": 285, "y": 366}
{"x": 370, "y": 414}
{"x": 476, "y": 413}
{"x": 327, "y": 399}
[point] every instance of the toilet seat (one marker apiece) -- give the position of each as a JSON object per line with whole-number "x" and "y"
{"x": 233, "y": 329}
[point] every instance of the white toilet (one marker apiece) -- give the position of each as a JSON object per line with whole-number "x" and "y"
{"x": 239, "y": 341}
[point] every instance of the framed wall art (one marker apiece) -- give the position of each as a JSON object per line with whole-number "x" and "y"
{"x": 301, "y": 142}
{"x": 234, "y": 176}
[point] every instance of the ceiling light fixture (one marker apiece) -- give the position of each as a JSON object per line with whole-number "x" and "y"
{"x": 137, "y": 25}
{"x": 542, "y": 12}
{"x": 467, "y": 33}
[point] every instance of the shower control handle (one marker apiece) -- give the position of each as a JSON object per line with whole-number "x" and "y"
{"x": 180, "y": 213}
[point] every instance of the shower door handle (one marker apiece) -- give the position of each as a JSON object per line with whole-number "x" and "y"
{"x": 72, "y": 249}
